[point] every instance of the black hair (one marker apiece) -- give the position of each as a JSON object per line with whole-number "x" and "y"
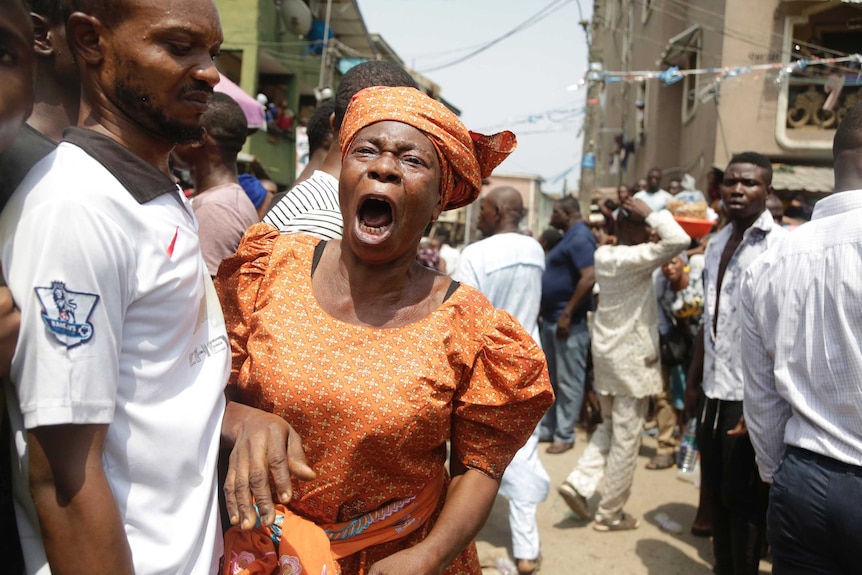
{"x": 443, "y": 234}
{"x": 570, "y": 204}
{"x": 365, "y": 75}
{"x": 848, "y": 132}
{"x": 318, "y": 128}
{"x": 756, "y": 159}
{"x": 550, "y": 237}
{"x": 225, "y": 122}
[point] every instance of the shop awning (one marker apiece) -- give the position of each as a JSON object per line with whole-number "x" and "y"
{"x": 680, "y": 46}
{"x": 253, "y": 109}
{"x": 800, "y": 178}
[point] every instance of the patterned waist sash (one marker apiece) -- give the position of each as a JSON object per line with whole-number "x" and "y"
{"x": 294, "y": 545}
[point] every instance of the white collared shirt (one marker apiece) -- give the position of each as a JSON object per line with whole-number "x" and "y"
{"x": 802, "y": 336}
{"x": 722, "y": 361}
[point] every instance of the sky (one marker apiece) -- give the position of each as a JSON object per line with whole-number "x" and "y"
{"x": 520, "y": 83}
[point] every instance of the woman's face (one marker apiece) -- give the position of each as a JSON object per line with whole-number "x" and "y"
{"x": 673, "y": 270}
{"x": 389, "y": 190}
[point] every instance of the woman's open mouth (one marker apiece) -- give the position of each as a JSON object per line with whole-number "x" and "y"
{"x": 375, "y": 216}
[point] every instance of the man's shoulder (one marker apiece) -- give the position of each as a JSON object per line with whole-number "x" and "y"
{"x": 579, "y": 236}
{"x": 517, "y": 244}
{"x": 317, "y": 180}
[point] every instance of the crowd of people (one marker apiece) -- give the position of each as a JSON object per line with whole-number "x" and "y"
{"x": 205, "y": 384}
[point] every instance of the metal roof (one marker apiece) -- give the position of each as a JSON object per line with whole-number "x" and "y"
{"x": 800, "y": 178}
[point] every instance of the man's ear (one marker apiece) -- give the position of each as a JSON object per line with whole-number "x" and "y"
{"x": 84, "y": 32}
{"x": 41, "y": 35}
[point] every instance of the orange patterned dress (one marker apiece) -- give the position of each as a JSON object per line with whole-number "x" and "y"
{"x": 375, "y": 407}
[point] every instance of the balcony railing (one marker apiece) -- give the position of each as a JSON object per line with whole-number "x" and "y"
{"x": 820, "y": 103}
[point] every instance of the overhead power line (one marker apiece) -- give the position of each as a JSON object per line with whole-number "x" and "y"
{"x": 538, "y": 16}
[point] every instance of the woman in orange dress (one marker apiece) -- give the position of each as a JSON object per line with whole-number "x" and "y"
{"x": 378, "y": 362}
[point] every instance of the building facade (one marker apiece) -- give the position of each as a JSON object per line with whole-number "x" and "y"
{"x": 696, "y": 123}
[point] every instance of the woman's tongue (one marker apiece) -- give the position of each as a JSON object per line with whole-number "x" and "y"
{"x": 375, "y": 216}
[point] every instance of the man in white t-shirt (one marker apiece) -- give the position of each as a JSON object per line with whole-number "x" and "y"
{"x": 116, "y": 397}
{"x": 653, "y": 196}
{"x": 507, "y": 267}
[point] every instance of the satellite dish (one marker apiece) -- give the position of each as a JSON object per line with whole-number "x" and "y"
{"x": 296, "y": 16}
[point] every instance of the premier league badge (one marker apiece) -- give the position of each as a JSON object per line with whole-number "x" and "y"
{"x": 66, "y": 313}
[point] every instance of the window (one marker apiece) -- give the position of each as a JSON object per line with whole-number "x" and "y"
{"x": 684, "y": 51}
{"x": 691, "y": 83}
{"x": 646, "y": 10}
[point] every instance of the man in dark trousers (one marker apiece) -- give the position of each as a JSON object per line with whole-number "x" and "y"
{"x": 802, "y": 337}
{"x": 738, "y": 497}
{"x": 567, "y": 287}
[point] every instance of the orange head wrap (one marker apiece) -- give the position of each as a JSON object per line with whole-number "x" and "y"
{"x": 465, "y": 157}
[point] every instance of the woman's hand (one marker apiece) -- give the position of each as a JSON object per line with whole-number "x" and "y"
{"x": 263, "y": 445}
{"x": 411, "y": 560}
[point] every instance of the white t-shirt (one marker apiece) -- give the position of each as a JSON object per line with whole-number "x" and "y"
{"x": 656, "y": 201}
{"x": 120, "y": 325}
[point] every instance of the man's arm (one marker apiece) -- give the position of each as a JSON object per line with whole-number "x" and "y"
{"x": 650, "y": 255}
{"x": 80, "y": 523}
{"x": 766, "y": 413}
{"x": 694, "y": 377}
{"x": 263, "y": 446}
{"x": 583, "y": 290}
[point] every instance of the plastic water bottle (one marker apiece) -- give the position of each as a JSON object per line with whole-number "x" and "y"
{"x": 505, "y": 566}
{"x": 687, "y": 456}
{"x": 667, "y": 524}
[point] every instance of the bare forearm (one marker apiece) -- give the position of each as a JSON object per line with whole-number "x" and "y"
{"x": 583, "y": 290}
{"x": 80, "y": 523}
{"x": 468, "y": 504}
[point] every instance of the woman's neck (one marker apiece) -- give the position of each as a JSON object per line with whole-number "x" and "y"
{"x": 393, "y": 294}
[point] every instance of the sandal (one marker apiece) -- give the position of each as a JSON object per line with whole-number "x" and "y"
{"x": 662, "y": 461}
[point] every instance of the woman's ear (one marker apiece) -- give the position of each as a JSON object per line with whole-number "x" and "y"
{"x": 84, "y": 32}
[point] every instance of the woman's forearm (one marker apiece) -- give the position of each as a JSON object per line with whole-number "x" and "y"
{"x": 468, "y": 504}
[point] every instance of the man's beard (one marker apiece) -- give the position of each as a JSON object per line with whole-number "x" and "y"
{"x": 138, "y": 104}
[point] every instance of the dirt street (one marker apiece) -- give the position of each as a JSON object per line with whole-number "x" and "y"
{"x": 572, "y": 546}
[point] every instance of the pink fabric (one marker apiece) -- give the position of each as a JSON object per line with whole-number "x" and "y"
{"x": 253, "y": 110}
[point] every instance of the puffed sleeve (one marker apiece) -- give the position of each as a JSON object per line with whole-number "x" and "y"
{"x": 502, "y": 395}
{"x": 238, "y": 282}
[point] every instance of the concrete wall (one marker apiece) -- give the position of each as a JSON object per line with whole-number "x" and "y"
{"x": 667, "y": 140}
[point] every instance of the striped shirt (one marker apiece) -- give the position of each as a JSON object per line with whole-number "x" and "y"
{"x": 310, "y": 207}
{"x": 802, "y": 336}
